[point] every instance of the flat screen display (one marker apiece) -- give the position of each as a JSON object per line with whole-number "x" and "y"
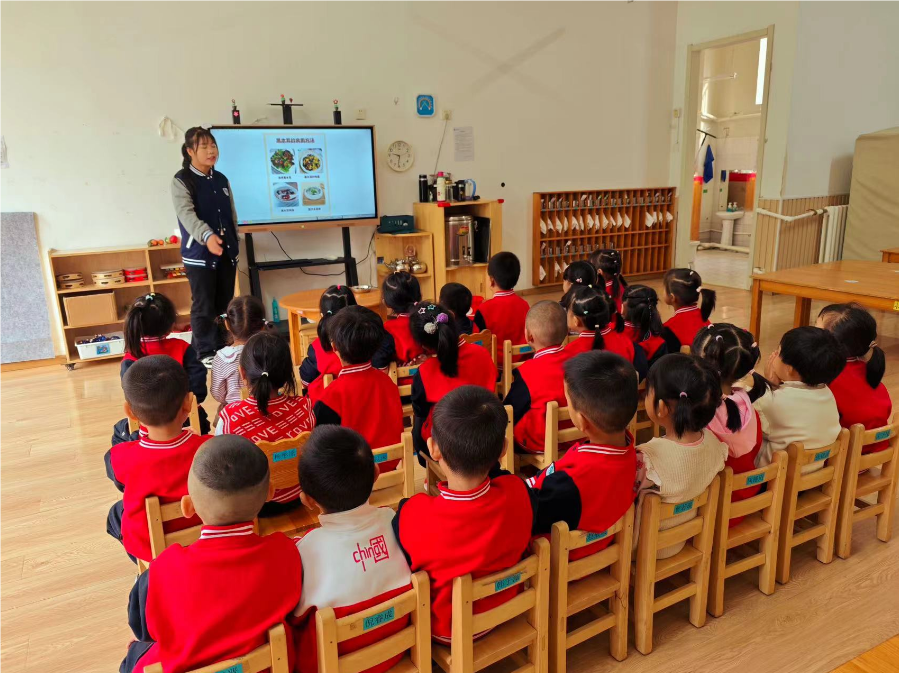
{"x": 284, "y": 174}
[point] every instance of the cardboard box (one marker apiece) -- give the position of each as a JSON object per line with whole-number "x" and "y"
{"x": 90, "y": 309}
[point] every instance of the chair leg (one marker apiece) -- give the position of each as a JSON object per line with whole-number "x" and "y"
{"x": 768, "y": 547}
{"x": 618, "y": 633}
{"x": 716, "y": 581}
{"x": 888, "y": 497}
{"x": 784, "y": 551}
{"x": 846, "y": 515}
{"x": 699, "y": 574}
{"x": 644, "y": 597}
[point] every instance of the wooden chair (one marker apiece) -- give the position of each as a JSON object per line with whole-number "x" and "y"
{"x": 508, "y": 366}
{"x": 641, "y": 420}
{"x": 554, "y": 436}
{"x": 434, "y": 473}
{"x": 519, "y": 623}
{"x": 856, "y": 485}
{"x": 580, "y": 587}
{"x": 391, "y": 487}
{"x": 486, "y": 339}
{"x": 396, "y": 373}
{"x": 761, "y": 522}
{"x": 283, "y": 461}
{"x": 414, "y": 640}
{"x": 158, "y": 515}
{"x": 686, "y": 350}
{"x": 307, "y": 334}
{"x": 194, "y": 417}
{"x": 811, "y": 501}
{"x": 695, "y": 557}
{"x": 327, "y": 380}
{"x": 271, "y": 656}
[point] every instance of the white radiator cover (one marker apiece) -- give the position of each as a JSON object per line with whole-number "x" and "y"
{"x": 833, "y": 231}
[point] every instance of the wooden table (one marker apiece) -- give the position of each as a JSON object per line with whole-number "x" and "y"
{"x": 890, "y": 255}
{"x": 305, "y": 305}
{"x": 871, "y": 284}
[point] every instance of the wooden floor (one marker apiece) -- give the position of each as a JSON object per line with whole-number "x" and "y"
{"x": 882, "y": 659}
{"x": 64, "y": 583}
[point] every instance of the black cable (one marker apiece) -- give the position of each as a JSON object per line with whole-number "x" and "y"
{"x": 326, "y": 275}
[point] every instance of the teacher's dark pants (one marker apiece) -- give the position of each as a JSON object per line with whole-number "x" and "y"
{"x": 211, "y": 290}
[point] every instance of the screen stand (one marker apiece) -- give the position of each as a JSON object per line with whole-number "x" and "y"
{"x": 348, "y": 261}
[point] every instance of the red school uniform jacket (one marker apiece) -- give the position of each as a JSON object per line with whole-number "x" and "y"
{"x": 858, "y": 402}
{"x": 430, "y": 385}
{"x": 481, "y": 531}
{"x": 366, "y": 400}
{"x": 589, "y": 488}
{"x": 615, "y": 342}
{"x": 648, "y": 342}
{"x": 215, "y": 599}
{"x": 146, "y": 468}
{"x": 316, "y": 364}
{"x": 504, "y": 315}
{"x": 681, "y": 328}
{"x": 535, "y": 384}
{"x": 182, "y": 352}
{"x": 287, "y": 417}
{"x": 405, "y": 347}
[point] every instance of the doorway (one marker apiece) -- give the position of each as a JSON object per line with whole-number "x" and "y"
{"x": 724, "y": 129}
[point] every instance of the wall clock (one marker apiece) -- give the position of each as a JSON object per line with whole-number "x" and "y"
{"x": 399, "y": 156}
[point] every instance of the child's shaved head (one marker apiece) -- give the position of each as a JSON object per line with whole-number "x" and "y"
{"x": 229, "y": 480}
{"x": 548, "y": 323}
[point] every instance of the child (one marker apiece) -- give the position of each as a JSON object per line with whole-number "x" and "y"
{"x": 320, "y": 358}
{"x": 538, "y": 381}
{"x": 244, "y": 317}
{"x": 733, "y": 352}
{"x": 592, "y": 485}
{"x": 642, "y": 321}
{"x": 401, "y": 292}
{"x": 504, "y": 314}
{"x": 148, "y": 323}
{"x": 217, "y": 598}
{"x": 801, "y": 408}
{"x": 683, "y": 289}
{"x": 353, "y": 561}
{"x": 576, "y": 273}
{"x": 682, "y": 395}
{"x": 457, "y": 364}
{"x": 361, "y": 397}
{"x": 859, "y": 391}
{"x": 457, "y": 298}
{"x": 157, "y": 394}
{"x": 608, "y": 263}
{"x": 590, "y": 316}
{"x": 273, "y": 410}
{"x": 480, "y": 522}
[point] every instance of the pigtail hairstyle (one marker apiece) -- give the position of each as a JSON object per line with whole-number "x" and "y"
{"x": 150, "y": 315}
{"x": 267, "y": 367}
{"x": 192, "y": 138}
{"x": 401, "y": 291}
{"x": 856, "y": 330}
{"x": 641, "y": 309}
{"x": 432, "y": 327}
{"x": 592, "y": 308}
{"x": 608, "y": 262}
{"x": 244, "y": 317}
{"x": 686, "y": 286}
{"x": 733, "y": 352}
{"x": 332, "y": 300}
{"x": 688, "y": 385}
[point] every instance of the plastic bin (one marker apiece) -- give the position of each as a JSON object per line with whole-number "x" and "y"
{"x": 102, "y": 348}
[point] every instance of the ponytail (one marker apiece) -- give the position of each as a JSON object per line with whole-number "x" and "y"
{"x": 734, "y": 422}
{"x": 876, "y": 366}
{"x": 592, "y": 308}
{"x": 760, "y": 386}
{"x": 708, "y": 302}
{"x": 266, "y": 363}
{"x": 683, "y": 416}
{"x": 150, "y": 315}
{"x": 856, "y": 330}
{"x": 599, "y": 343}
{"x": 447, "y": 347}
{"x": 436, "y": 333}
{"x": 640, "y": 307}
{"x": 685, "y": 285}
{"x": 134, "y": 332}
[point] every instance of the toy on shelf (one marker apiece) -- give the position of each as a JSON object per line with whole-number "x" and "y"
{"x": 109, "y": 277}
{"x": 156, "y": 242}
{"x": 69, "y": 281}
{"x": 173, "y": 270}
{"x": 286, "y": 110}
{"x": 136, "y": 274}
{"x": 100, "y": 345}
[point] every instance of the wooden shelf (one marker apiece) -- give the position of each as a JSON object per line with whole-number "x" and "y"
{"x": 103, "y": 288}
{"x": 466, "y": 266}
{"x": 78, "y": 358}
{"x": 410, "y": 234}
{"x": 95, "y": 324}
{"x": 166, "y": 281}
{"x": 393, "y": 246}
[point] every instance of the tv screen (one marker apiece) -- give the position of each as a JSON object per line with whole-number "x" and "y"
{"x": 285, "y": 174}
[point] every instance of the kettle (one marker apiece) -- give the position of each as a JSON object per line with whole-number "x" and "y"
{"x": 470, "y": 192}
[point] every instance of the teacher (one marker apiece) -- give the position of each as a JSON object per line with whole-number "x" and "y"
{"x": 206, "y": 215}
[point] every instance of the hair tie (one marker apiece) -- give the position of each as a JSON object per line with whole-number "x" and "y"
{"x": 263, "y": 374}
{"x": 149, "y": 297}
{"x": 754, "y": 344}
{"x": 224, "y": 316}
{"x": 683, "y": 394}
{"x": 590, "y": 286}
{"x": 700, "y": 289}
{"x": 579, "y": 280}
{"x": 329, "y": 312}
{"x": 872, "y": 345}
{"x": 442, "y": 318}
{"x": 692, "y": 272}
{"x": 718, "y": 338}
{"x": 430, "y": 327}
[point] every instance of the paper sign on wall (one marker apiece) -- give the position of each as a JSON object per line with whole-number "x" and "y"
{"x": 463, "y": 140}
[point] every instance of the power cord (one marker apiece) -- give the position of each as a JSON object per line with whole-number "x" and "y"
{"x": 440, "y": 147}
{"x": 339, "y": 273}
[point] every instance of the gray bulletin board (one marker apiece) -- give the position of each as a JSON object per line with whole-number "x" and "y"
{"x": 24, "y": 316}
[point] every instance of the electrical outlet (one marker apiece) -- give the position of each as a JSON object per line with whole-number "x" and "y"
{"x": 447, "y": 114}
{"x": 676, "y": 113}
{"x": 360, "y": 114}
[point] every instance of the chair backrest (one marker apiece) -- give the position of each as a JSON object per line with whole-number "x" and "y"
{"x": 396, "y": 373}
{"x": 833, "y": 455}
{"x": 510, "y": 350}
{"x": 158, "y": 515}
{"x": 686, "y": 350}
{"x": 555, "y": 434}
{"x": 384, "y": 492}
{"x": 772, "y": 474}
{"x": 194, "y": 417}
{"x": 533, "y": 602}
{"x": 414, "y": 638}
{"x": 283, "y": 459}
{"x": 860, "y": 438}
{"x": 486, "y": 338}
{"x": 697, "y": 531}
{"x": 271, "y": 656}
{"x": 307, "y": 334}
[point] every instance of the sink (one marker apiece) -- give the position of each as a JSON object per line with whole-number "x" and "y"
{"x": 727, "y": 225}
{"x": 735, "y": 215}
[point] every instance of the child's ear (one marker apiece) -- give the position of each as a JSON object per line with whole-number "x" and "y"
{"x": 528, "y": 336}
{"x": 243, "y": 374}
{"x": 580, "y": 421}
{"x": 187, "y": 404}
{"x": 662, "y": 409}
{"x": 309, "y": 503}
{"x": 505, "y": 448}
{"x": 271, "y": 490}
{"x": 434, "y": 450}
{"x": 187, "y": 506}
{"x": 129, "y": 412}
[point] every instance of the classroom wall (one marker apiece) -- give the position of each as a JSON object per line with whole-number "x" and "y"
{"x": 844, "y": 85}
{"x": 560, "y": 96}
{"x": 699, "y": 22}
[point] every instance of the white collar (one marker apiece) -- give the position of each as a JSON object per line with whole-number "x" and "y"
{"x": 547, "y": 351}
{"x": 504, "y": 293}
{"x": 355, "y": 369}
{"x": 148, "y": 443}
{"x": 447, "y": 494}
{"x": 686, "y": 309}
{"x": 586, "y": 335}
{"x": 234, "y": 530}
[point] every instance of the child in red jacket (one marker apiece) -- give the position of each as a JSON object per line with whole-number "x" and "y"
{"x": 400, "y": 292}
{"x": 683, "y": 291}
{"x": 320, "y": 357}
{"x": 156, "y": 464}
{"x": 642, "y": 321}
{"x": 608, "y": 264}
{"x": 217, "y": 598}
{"x": 504, "y": 314}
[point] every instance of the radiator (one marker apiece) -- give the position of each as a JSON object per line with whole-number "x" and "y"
{"x": 833, "y": 230}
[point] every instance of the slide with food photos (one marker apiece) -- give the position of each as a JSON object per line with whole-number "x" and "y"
{"x": 298, "y": 174}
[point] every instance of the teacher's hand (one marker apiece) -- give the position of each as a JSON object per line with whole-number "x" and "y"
{"x": 214, "y": 244}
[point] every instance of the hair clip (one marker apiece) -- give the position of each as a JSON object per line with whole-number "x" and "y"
{"x": 224, "y": 316}
{"x": 700, "y": 288}
{"x": 692, "y": 272}
{"x": 422, "y": 310}
{"x": 683, "y": 394}
{"x": 431, "y": 307}
{"x": 871, "y": 345}
{"x": 442, "y": 318}
{"x": 754, "y": 344}
{"x": 430, "y": 327}
{"x": 338, "y": 287}
{"x": 149, "y": 297}
{"x": 580, "y": 280}
{"x": 263, "y": 374}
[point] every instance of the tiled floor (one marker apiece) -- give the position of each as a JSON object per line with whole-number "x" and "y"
{"x": 722, "y": 267}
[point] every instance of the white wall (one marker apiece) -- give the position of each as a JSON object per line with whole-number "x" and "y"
{"x": 845, "y": 84}
{"x": 700, "y": 22}
{"x": 560, "y": 95}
